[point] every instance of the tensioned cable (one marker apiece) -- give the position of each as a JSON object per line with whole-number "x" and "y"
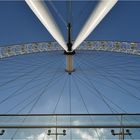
{"x": 22, "y": 121}
{"x": 21, "y": 62}
{"x": 58, "y": 13}
{"x": 121, "y": 68}
{"x": 46, "y": 64}
{"x": 85, "y": 105}
{"x": 77, "y": 87}
{"x": 115, "y": 73}
{"x": 21, "y": 65}
{"x": 24, "y": 67}
{"x": 48, "y": 72}
{"x": 116, "y": 84}
{"x": 114, "y": 56}
{"x": 13, "y": 94}
{"x": 4, "y": 84}
{"x": 120, "y": 64}
{"x": 19, "y": 103}
{"x": 97, "y": 91}
{"x": 19, "y": 70}
{"x": 24, "y": 100}
{"x": 89, "y": 87}
{"x": 69, "y": 11}
{"x": 28, "y": 111}
{"x": 29, "y": 89}
{"x": 82, "y": 62}
{"x": 50, "y": 81}
{"x": 126, "y": 91}
{"x": 69, "y": 91}
{"x": 70, "y": 108}
{"x": 102, "y": 94}
{"x": 59, "y": 98}
{"x": 118, "y": 69}
{"x": 56, "y": 79}
{"x": 104, "y": 54}
{"x": 103, "y": 64}
{"x": 97, "y": 55}
{"x": 60, "y": 95}
{"x": 101, "y": 56}
{"x": 102, "y": 98}
{"x": 121, "y": 79}
{"x": 131, "y": 79}
{"x": 36, "y": 100}
{"x": 117, "y": 63}
{"x": 82, "y": 10}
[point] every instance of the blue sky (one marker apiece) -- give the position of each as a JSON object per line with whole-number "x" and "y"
{"x": 19, "y": 24}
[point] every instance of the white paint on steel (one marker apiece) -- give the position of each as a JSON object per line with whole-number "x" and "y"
{"x": 41, "y": 10}
{"x": 95, "y": 18}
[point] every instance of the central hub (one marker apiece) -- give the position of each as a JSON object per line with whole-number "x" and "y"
{"x": 69, "y": 62}
{"x": 69, "y": 53}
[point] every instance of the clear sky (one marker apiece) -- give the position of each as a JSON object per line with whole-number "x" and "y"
{"x": 19, "y": 24}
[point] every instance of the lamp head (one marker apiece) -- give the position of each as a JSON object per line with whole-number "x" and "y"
{"x": 64, "y": 132}
{"x": 49, "y": 132}
{"x": 113, "y": 132}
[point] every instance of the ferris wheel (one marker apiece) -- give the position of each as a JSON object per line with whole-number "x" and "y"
{"x": 77, "y": 77}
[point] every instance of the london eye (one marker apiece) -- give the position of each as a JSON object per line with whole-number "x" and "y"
{"x": 74, "y": 79}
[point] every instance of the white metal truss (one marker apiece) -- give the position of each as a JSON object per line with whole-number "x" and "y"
{"x": 41, "y": 10}
{"x": 94, "y": 19}
{"x": 111, "y": 46}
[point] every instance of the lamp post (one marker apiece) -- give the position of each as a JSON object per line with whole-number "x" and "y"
{"x": 121, "y": 134}
{"x": 56, "y": 134}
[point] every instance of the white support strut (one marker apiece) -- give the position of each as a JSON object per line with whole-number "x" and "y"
{"x": 95, "y": 18}
{"x": 41, "y": 10}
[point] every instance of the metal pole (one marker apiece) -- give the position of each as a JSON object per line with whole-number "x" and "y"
{"x": 56, "y": 133}
{"x": 121, "y": 130}
{"x": 70, "y": 53}
{"x": 56, "y": 127}
{"x": 122, "y": 133}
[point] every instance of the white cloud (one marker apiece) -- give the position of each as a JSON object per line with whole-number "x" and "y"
{"x": 41, "y": 136}
{"x": 94, "y": 134}
{"x": 88, "y": 134}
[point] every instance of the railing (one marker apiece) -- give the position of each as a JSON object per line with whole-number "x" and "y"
{"x": 70, "y": 121}
{"x": 115, "y": 46}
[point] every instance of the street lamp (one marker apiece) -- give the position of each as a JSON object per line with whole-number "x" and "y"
{"x": 2, "y": 132}
{"x": 121, "y": 133}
